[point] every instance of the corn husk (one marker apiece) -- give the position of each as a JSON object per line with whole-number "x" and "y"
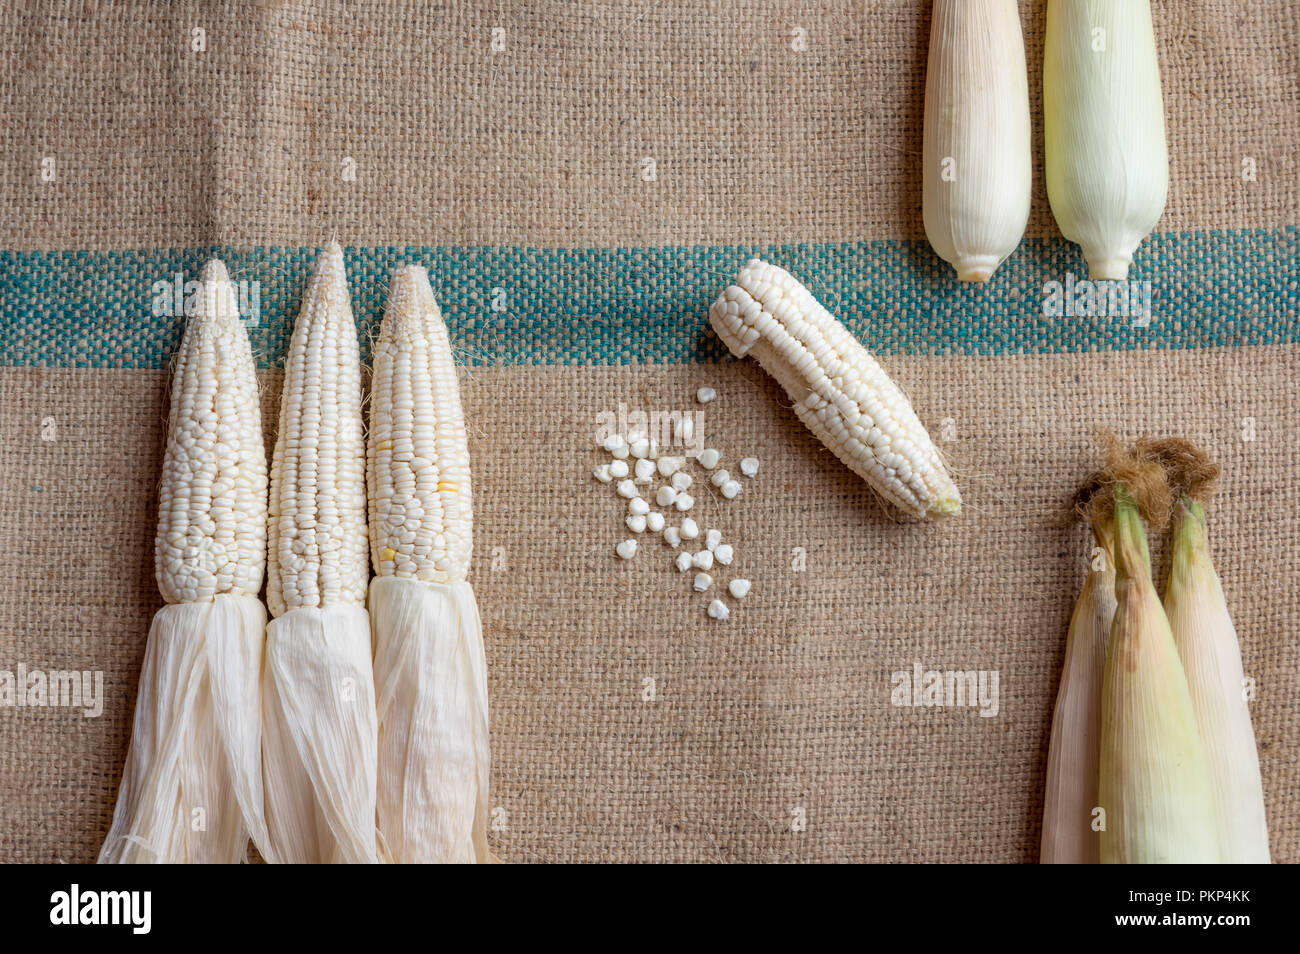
{"x": 976, "y": 152}
{"x": 1072, "y": 759}
{"x": 1106, "y": 162}
{"x": 431, "y": 694}
{"x": 1154, "y": 784}
{"x": 1211, "y": 657}
{"x": 191, "y": 789}
{"x": 319, "y": 746}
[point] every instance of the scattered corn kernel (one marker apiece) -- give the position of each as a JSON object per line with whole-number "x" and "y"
{"x": 749, "y": 466}
{"x": 645, "y": 471}
{"x": 626, "y": 549}
{"x": 709, "y": 458}
{"x": 670, "y": 465}
{"x": 681, "y": 481}
{"x": 635, "y": 522}
{"x": 703, "y": 560}
{"x": 712, "y": 538}
{"x": 739, "y": 588}
{"x": 683, "y": 562}
{"x": 665, "y": 496}
{"x": 702, "y": 582}
{"x": 730, "y": 489}
{"x": 654, "y": 522}
{"x": 705, "y": 395}
{"x": 719, "y": 478}
{"x": 613, "y": 442}
{"x": 602, "y": 474}
{"x": 638, "y": 506}
{"x": 724, "y": 554}
{"x": 627, "y": 489}
{"x": 684, "y": 502}
{"x": 640, "y": 448}
{"x": 672, "y": 537}
{"x": 718, "y": 610}
{"x": 618, "y": 469}
{"x": 690, "y": 529}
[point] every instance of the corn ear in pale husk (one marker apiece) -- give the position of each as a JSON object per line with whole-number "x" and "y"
{"x": 977, "y": 168}
{"x": 1104, "y": 147}
{"x": 1072, "y": 759}
{"x": 1211, "y": 657}
{"x": 1154, "y": 784}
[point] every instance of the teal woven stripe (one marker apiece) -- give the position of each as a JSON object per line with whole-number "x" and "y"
{"x": 623, "y": 306}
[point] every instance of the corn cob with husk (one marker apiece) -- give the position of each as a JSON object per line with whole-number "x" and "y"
{"x": 1072, "y": 769}
{"x": 1154, "y": 783}
{"x": 839, "y": 390}
{"x": 1211, "y": 657}
{"x": 319, "y": 707}
{"x": 976, "y": 164}
{"x": 192, "y": 787}
{"x": 1106, "y": 162}
{"x": 430, "y": 669}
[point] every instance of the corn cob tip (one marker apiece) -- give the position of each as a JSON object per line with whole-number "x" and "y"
{"x": 411, "y": 306}
{"x": 214, "y": 271}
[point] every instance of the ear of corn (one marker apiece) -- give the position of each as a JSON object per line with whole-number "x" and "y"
{"x": 192, "y": 786}
{"x": 1211, "y": 657}
{"x": 1104, "y": 128}
{"x": 838, "y": 389}
{"x": 1072, "y": 769}
{"x": 430, "y": 669}
{"x": 320, "y": 737}
{"x": 976, "y": 161}
{"x": 1154, "y": 784}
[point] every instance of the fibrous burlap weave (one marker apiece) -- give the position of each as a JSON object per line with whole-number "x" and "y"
{"x": 626, "y": 726}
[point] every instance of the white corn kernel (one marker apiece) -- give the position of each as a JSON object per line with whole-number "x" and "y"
{"x": 749, "y": 466}
{"x": 712, "y": 538}
{"x": 602, "y": 474}
{"x": 645, "y": 471}
{"x": 626, "y": 549}
{"x": 718, "y": 610}
{"x": 627, "y": 488}
{"x": 681, "y": 481}
{"x": 703, "y": 560}
{"x": 739, "y": 588}
{"x": 638, "y": 506}
{"x": 684, "y": 502}
{"x": 705, "y": 395}
{"x": 672, "y": 537}
{"x": 670, "y": 465}
{"x": 635, "y": 522}
{"x": 618, "y": 469}
{"x": 838, "y": 389}
{"x": 719, "y": 478}
{"x": 613, "y": 442}
{"x": 730, "y": 489}
{"x": 725, "y": 553}
{"x": 709, "y": 458}
{"x": 640, "y": 448}
{"x": 665, "y": 496}
{"x": 654, "y": 521}
{"x": 683, "y": 562}
{"x": 690, "y": 529}
{"x": 621, "y": 451}
{"x": 702, "y": 582}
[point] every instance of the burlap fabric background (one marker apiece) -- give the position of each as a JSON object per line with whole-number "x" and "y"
{"x": 784, "y": 712}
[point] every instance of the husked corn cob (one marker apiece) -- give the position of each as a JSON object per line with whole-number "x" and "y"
{"x": 421, "y": 523}
{"x": 192, "y": 786}
{"x": 319, "y": 704}
{"x": 838, "y": 389}
{"x": 430, "y": 669}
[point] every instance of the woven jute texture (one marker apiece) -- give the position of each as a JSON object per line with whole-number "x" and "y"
{"x": 626, "y": 725}
{"x": 765, "y": 121}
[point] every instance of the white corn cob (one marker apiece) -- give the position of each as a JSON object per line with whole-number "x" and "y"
{"x": 1106, "y": 161}
{"x": 976, "y": 165}
{"x": 1211, "y": 657}
{"x": 192, "y": 786}
{"x": 838, "y": 389}
{"x": 430, "y": 669}
{"x": 320, "y": 739}
{"x": 1071, "y": 786}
